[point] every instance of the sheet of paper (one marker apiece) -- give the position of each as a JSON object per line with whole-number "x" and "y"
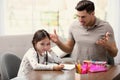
{"x": 19, "y": 78}
{"x": 69, "y": 66}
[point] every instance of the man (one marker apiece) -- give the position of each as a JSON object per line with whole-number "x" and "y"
{"x": 89, "y": 37}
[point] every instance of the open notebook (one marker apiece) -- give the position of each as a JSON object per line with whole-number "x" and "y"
{"x": 69, "y": 66}
{"x": 20, "y": 78}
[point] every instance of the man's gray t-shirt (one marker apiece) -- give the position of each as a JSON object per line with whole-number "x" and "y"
{"x": 85, "y": 47}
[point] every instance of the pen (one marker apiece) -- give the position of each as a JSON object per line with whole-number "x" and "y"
{"x": 57, "y": 63}
{"x": 46, "y": 57}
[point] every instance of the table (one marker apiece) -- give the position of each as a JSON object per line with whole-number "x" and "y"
{"x": 109, "y": 75}
{"x": 52, "y": 75}
{"x": 70, "y": 75}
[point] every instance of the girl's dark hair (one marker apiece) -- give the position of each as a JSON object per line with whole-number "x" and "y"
{"x": 85, "y": 5}
{"x": 39, "y": 35}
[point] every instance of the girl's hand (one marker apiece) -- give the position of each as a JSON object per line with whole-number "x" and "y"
{"x": 50, "y": 50}
{"x": 58, "y": 67}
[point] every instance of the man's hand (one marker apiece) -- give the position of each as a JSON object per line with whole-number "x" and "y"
{"x": 104, "y": 41}
{"x": 54, "y": 37}
{"x": 110, "y": 46}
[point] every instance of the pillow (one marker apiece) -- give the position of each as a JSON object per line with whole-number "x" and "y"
{"x": 58, "y": 51}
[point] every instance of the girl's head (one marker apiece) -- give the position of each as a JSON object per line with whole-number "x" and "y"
{"x": 41, "y": 41}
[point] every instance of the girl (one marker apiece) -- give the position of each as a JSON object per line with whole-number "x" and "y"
{"x": 39, "y": 57}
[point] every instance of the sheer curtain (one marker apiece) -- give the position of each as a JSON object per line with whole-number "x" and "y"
{"x": 2, "y": 17}
{"x": 113, "y": 17}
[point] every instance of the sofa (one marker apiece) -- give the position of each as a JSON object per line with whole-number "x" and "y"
{"x": 16, "y": 44}
{"x": 19, "y": 44}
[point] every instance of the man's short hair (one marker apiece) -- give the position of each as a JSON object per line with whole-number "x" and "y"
{"x": 85, "y": 5}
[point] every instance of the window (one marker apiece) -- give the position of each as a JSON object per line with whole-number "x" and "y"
{"x": 27, "y": 16}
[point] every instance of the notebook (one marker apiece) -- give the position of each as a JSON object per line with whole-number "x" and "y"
{"x": 69, "y": 66}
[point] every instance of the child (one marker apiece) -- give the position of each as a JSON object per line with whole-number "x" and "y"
{"x": 38, "y": 57}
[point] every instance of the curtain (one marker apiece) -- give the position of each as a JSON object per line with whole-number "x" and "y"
{"x": 113, "y": 17}
{"x": 1, "y": 17}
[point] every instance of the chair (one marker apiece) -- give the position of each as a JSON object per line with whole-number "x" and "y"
{"x": 9, "y": 65}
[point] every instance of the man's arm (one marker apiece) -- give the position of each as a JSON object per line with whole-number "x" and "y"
{"x": 66, "y": 47}
{"x": 112, "y": 49}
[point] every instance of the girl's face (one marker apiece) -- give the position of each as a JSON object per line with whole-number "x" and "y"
{"x": 43, "y": 45}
